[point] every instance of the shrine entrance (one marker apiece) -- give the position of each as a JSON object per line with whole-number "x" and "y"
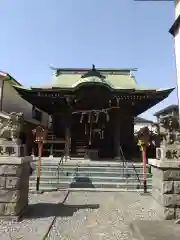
{"x": 92, "y": 111}
{"x": 91, "y": 135}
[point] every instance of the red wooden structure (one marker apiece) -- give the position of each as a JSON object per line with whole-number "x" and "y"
{"x": 39, "y": 136}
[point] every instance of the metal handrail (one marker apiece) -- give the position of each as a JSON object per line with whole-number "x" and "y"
{"x": 125, "y": 161}
{"x": 59, "y": 165}
{"x": 137, "y": 175}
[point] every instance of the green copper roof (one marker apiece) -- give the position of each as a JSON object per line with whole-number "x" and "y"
{"x": 72, "y": 78}
{"x": 114, "y": 81}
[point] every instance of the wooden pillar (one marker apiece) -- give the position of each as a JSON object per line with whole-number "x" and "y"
{"x": 68, "y": 136}
{"x": 116, "y": 116}
{"x": 127, "y": 133}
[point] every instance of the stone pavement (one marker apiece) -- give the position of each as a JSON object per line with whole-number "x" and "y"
{"x": 39, "y": 217}
{"x": 83, "y": 216}
{"x": 160, "y": 230}
{"x": 95, "y": 216}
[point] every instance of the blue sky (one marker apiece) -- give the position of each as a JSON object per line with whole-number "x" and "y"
{"x": 108, "y": 33}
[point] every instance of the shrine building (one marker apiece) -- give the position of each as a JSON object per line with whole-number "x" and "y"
{"x": 92, "y": 111}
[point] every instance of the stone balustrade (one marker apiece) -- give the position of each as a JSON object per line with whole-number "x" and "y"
{"x": 14, "y": 186}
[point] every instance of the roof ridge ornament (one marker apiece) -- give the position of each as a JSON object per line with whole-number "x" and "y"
{"x": 131, "y": 74}
{"x": 93, "y": 73}
{"x": 56, "y": 71}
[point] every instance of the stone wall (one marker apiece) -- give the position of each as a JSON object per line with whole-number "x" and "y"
{"x": 166, "y": 188}
{"x": 14, "y": 186}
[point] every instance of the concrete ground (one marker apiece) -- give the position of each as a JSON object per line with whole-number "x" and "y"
{"x": 80, "y": 216}
{"x": 101, "y": 216}
{"x": 159, "y": 230}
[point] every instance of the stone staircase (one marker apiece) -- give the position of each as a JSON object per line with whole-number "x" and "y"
{"x": 89, "y": 175}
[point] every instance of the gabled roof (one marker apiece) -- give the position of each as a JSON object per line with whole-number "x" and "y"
{"x": 115, "y": 78}
{"x": 173, "y": 107}
{"x": 73, "y": 78}
{"x": 7, "y": 77}
{"x": 78, "y": 81}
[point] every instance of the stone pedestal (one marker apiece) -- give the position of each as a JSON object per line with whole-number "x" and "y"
{"x": 168, "y": 152}
{"x": 14, "y": 186}
{"x": 166, "y": 187}
{"x": 12, "y": 148}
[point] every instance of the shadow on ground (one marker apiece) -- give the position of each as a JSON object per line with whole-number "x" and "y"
{"x": 81, "y": 182}
{"x": 44, "y": 210}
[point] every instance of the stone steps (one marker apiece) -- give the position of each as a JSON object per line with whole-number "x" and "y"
{"x": 86, "y": 162}
{"x": 44, "y": 185}
{"x": 50, "y": 189}
{"x": 91, "y": 175}
{"x": 91, "y": 170}
{"x": 121, "y": 173}
{"x": 54, "y": 166}
{"x": 92, "y": 179}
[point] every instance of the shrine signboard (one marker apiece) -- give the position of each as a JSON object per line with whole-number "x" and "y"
{"x": 169, "y": 130}
{"x": 168, "y": 152}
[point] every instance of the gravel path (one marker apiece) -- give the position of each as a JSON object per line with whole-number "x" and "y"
{"x": 82, "y": 216}
{"x": 105, "y": 216}
{"x": 38, "y": 218}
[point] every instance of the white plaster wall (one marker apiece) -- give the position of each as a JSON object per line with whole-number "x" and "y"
{"x": 177, "y": 55}
{"x": 12, "y": 102}
{"x": 177, "y": 8}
